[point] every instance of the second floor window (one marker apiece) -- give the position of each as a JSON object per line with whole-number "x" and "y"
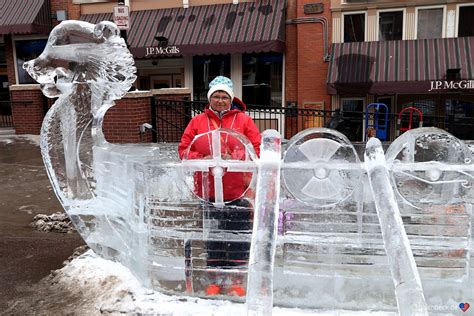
{"x": 430, "y": 23}
{"x": 391, "y": 26}
{"x": 354, "y": 27}
{"x": 466, "y": 18}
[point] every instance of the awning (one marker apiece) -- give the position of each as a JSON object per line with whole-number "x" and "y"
{"x": 212, "y": 29}
{"x": 25, "y": 17}
{"x": 397, "y": 67}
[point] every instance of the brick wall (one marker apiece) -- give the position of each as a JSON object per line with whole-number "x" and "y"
{"x": 27, "y": 109}
{"x": 291, "y": 61}
{"x": 306, "y": 72}
{"x": 9, "y": 59}
{"x": 73, "y": 10}
{"x": 122, "y": 121}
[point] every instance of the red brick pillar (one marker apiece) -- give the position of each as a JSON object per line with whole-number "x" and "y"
{"x": 122, "y": 121}
{"x": 28, "y": 108}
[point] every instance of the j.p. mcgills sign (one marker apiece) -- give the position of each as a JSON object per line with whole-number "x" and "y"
{"x": 160, "y": 50}
{"x": 451, "y": 85}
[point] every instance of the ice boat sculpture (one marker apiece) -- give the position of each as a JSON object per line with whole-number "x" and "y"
{"x": 324, "y": 246}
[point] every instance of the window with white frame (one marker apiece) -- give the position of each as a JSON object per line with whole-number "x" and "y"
{"x": 354, "y": 27}
{"x": 430, "y": 23}
{"x": 465, "y": 21}
{"x": 390, "y": 25}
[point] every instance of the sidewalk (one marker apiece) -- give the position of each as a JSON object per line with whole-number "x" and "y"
{"x": 26, "y": 256}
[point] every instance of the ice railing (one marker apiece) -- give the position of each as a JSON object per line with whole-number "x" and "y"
{"x": 317, "y": 237}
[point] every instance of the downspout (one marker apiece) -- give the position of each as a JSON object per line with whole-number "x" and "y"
{"x": 321, "y": 20}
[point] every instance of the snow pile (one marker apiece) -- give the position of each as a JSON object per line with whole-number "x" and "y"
{"x": 8, "y": 139}
{"x": 108, "y": 287}
{"x": 56, "y": 222}
{"x": 34, "y": 139}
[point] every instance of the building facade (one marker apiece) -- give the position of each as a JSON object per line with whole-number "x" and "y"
{"x": 416, "y": 57}
{"x": 275, "y": 51}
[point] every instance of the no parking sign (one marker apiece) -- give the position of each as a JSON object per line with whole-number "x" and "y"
{"x": 122, "y": 17}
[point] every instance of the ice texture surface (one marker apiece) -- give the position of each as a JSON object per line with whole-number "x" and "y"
{"x": 408, "y": 288}
{"x": 265, "y": 227}
{"x": 172, "y": 223}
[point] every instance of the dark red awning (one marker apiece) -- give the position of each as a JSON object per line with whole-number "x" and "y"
{"x": 25, "y": 17}
{"x": 204, "y": 30}
{"x": 395, "y": 67}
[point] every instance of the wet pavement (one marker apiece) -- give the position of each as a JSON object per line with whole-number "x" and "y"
{"x": 26, "y": 255}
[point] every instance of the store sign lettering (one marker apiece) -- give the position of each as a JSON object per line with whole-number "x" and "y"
{"x": 159, "y": 50}
{"x": 450, "y": 85}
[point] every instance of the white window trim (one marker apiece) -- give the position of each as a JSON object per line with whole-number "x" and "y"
{"x": 351, "y": 13}
{"x": 457, "y": 16}
{"x": 188, "y": 74}
{"x": 15, "y": 39}
{"x": 236, "y": 73}
{"x": 443, "y": 29}
{"x": 392, "y": 10}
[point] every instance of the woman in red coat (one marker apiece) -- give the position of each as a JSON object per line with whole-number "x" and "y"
{"x": 220, "y": 113}
{"x": 223, "y": 111}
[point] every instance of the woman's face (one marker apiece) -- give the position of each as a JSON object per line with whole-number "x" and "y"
{"x": 220, "y": 101}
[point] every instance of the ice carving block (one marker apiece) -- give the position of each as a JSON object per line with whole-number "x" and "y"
{"x": 262, "y": 251}
{"x": 408, "y": 289}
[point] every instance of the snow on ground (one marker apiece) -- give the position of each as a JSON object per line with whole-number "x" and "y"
{"x": 109, "y": 287}
{"x": 8, "y": 139}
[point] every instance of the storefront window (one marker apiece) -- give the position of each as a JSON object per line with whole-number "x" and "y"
{"x": 160, "y": 73}
{"x": 352, "y": 118}
{"x": 460, "y": 116}
{"x": 27, "y": 50}
{"x": 262, "y": 78}
{"x": 390, "y": 25}
{"x": 430, "y": 23}
{"x": 466, "y": 16}
{"x": 206, "y": 68}
{"x": 354, "y": 27}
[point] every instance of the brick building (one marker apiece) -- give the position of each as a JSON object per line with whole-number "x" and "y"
{"x": 416, "y": 57}
{"x": 275, "y": 51}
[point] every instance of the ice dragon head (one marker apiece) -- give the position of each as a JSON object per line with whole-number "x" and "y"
{"x": 79, "y": 52}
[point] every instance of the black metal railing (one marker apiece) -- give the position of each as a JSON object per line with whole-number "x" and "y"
{"x": 173, "y": 116}
{"x": 6, "y": 119}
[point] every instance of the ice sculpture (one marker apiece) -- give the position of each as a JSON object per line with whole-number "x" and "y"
{"x": 140, "y": 205}
{"x": 262, "y": 251}
{"x": 408, "y": 288}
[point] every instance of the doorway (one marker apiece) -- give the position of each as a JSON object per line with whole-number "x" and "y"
{"x": 392, "y": 120}
{"x": 166, "y": 81}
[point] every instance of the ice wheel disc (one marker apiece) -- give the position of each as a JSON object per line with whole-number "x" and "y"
{"x": 320, "y": 166}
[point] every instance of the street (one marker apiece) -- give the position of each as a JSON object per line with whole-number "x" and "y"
{"x": 26, "y": 256}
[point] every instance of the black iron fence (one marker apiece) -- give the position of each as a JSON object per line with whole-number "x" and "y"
{"x": 173, "y": 116}
{"x": 6, "y": 119}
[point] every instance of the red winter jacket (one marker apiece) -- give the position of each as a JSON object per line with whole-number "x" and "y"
{"x": 233, "y": 182}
